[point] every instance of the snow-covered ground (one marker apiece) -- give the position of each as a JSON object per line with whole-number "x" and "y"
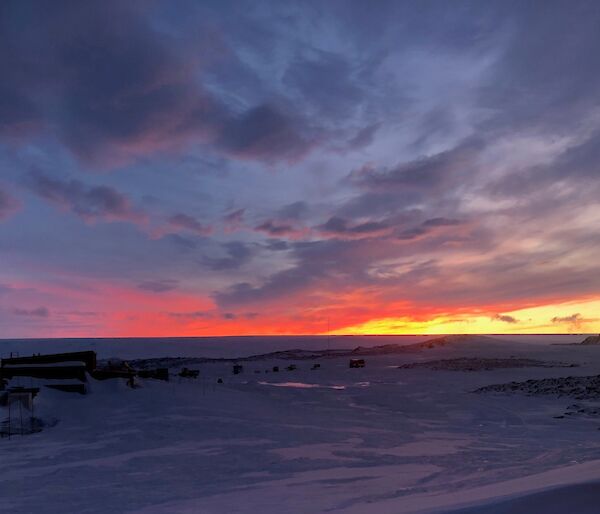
{"x": 372, "y": 440}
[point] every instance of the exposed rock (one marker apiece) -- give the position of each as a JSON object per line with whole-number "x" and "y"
{"x": 481, "y": 364}
{"x": 591, "y": 340}
{"x": 580, "y": 388}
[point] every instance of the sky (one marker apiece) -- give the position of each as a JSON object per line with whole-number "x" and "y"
{"x": 222, "y": 168}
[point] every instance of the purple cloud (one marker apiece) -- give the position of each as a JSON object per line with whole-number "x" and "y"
{"x": 39, "y": 312}
{"x": 187, "y": 222}
{"x": 238, "y": 254}
{"x": 8, "y": 205}
{"x": 88, "y": 202}
{"x": 341, "y": 227}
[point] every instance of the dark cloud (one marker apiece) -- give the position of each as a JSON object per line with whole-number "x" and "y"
{"x": 39, "y": 312}
{"x": 187, "y": 222}
{"x": 573, "y": 318}
{"x": 238, "y": 254}
{"x": 316, "y": 261}
{"x": 342, "y": 227}
{"x": 116, "y": 87}
{"x": 88, "y": 202}
{"x": 426, "y": 173}
{"x": 429, "y": 226}
{"x": 406, "y": 191}
{"x": 159, "y": 286}
{"x": 266, "y": 133}
{"x": 441, "y": 222}
{"x": 277, "y": 245}
{"x": 278, "y": 229}
{"x": 506, "y": 318}
{"x": 412, "y": 233}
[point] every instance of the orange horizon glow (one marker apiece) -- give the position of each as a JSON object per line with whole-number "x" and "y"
{"x": 115, "y": 310}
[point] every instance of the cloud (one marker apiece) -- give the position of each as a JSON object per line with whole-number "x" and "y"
{"x": 159, "y": 286}
{"x": 341, "y": 227}
{"x": 187, "y": 222}
{"x": 88, "y": 202}
{"x": 364, "y": 137}
{"x": 265, "y": 133}
{"x": 293, "y": 211}
{"x": 191, "y": 315}
{"x": 329, "y": 262}
{"x": 441, "y": 222}
{"x": 116, "y": 91}
{"x": 506, "y": 318}
{"x": 39, "y": 312}
{"x": 238, "y": 254}
{"x": 281, "y": 229}
{"x": 277, "y": 245}
{"x": 426, "y": 173}
{"x": 433, "y": 181}
{"x": 8, "y": 205}
{"x": 234, "y": 220}
{"x": 4, "y": 288}
{"x": 432, "y": 225}
{"x": 575, "y": 320}
{"x": 184, "y": 243}
{"x": 326, "y": 82}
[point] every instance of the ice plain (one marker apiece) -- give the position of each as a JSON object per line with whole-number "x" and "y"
{"x": 378, "y": 439}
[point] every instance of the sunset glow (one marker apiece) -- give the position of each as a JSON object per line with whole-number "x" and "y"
{"x": 297, "y": 170}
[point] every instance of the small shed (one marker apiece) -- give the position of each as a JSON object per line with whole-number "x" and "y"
{"x": 237, "y": 369}
{"x": 357, "y": 363}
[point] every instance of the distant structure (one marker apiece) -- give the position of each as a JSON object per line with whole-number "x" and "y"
{"x": 237, "y": 369}
{"x": 69, "y": 372}
{"x": 315, "y": 366}
{"x": 66, "y": 372}
{"x": 291, "y": 367}
{"x": 62, "y": 371}
{"x": 357, "y": 363}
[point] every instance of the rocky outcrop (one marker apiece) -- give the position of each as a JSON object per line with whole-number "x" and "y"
{"x": 580, "y": 388}
{"x": 481, "y": 364}
{"x": 591, "y": 340}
